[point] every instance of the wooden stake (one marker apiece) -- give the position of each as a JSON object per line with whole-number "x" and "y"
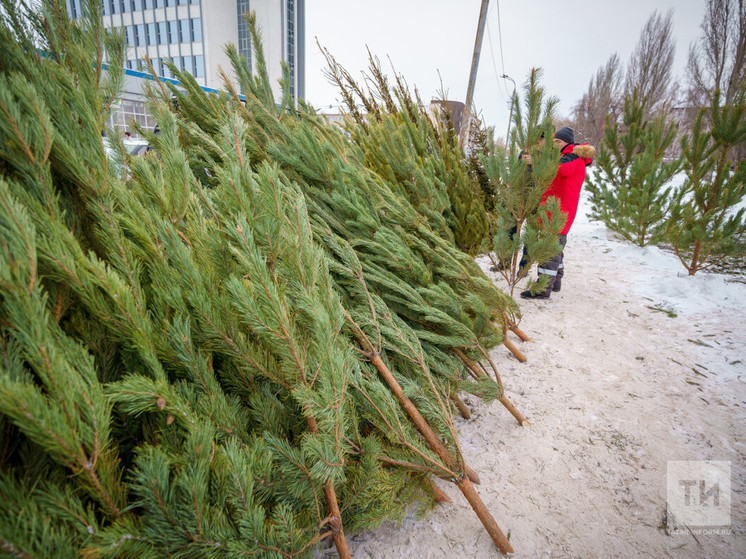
{"x": 462, "y": 409}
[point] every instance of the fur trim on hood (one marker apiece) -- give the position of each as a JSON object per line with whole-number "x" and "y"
{"x": 585, "y": 151}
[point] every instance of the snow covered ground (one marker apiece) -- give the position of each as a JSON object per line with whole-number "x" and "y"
{"x": 615, "y": 387}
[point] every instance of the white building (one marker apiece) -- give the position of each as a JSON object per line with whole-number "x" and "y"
{"x": 193, "y": 34}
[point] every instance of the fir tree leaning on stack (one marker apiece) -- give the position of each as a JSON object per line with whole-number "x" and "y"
{"x": 538, "y": 199}
{"x": 178, "y": 342}
{"x": 628, "y": 192}
{"x": 426, "y": 153}
{"x": 413, "y": 152}
{"x": 519, "y": 219}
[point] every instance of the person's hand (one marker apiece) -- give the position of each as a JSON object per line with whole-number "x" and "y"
{"x": 527, "y": 159}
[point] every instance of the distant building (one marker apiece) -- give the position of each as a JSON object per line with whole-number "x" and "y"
{"x": 193, "y": 33}
{"x": 453, "y": 112}
{"x": 332, "y": 114}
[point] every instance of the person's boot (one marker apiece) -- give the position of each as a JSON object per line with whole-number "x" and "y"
{"x": 557, "y": 284}
{"x": 541, "y": 294}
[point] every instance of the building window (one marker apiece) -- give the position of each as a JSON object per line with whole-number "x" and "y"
{"x": 152, "y": 34}
{"x": 129, "y": 111}
{"x": 184, "y": 35}
{"x": 129, "y": 35}
{"x": 244, "y": 37}
{"x": 136, "y": 5}
{"x": 173, "y": 31}
{"x": 199, "y": 66}
{"x": 188, "y": 62}
{"x": 162, "y": 33}
{"x": 142, "y": 36}
{"x": 196, "y": 28}
{"x": 291, "y": 43}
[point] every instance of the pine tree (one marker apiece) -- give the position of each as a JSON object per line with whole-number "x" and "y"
{"x": 479, "y": 148}
{"x": 520, "y": 219}
{"x": 628, "y": 192}
{"x": 414, "y": 152}
{"x": 705, "y": 224}
{"x": 187, "y": 363}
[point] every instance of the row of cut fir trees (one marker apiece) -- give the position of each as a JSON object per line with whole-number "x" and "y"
{"x": 253, "y": 338}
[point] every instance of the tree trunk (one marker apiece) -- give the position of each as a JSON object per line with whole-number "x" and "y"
{"x": 517, "y": 353}
{"x": 462, "y": 409}
{"x": 335, "y": 515}
{"x": 503, "y": 399}
{"x": 463, "y": 483}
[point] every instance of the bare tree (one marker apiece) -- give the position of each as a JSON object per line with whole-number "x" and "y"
{"x": 650, "y": 67}
{"x": 603, "y": 97}
{"x": 717, "y": 60}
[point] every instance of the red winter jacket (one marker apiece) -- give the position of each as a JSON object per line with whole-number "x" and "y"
{"x": 569, "y": 180}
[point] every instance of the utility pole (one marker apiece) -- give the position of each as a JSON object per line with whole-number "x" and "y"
{"x": 466, "y": 117}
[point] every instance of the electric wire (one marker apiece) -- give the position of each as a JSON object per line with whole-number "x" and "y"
{"x": 503, "y": 90}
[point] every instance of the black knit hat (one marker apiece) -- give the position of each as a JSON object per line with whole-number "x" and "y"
{"x": 565, "y": 134}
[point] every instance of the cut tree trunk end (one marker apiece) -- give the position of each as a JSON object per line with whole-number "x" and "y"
{"x": 514, "y": 412}
{"x": 517, "y": 353}
{"x": 509, "y": 324}
{"x": 335, "y": 515}
{"x": 503, "y": 399}
{"x": 439, "y": 495}
{"x": 462, "y": 409}
{"x": 484, "y": 515}
{"x": 520, "y": 333}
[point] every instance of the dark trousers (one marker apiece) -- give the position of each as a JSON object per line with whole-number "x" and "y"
{"x": 524, "y": 257}
{"x": 555, "y": 268}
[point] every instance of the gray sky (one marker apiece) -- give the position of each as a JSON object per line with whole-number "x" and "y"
{"x": 422, "y": 38}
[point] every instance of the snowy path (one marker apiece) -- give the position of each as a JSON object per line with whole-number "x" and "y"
{"x": 614, "y": 390}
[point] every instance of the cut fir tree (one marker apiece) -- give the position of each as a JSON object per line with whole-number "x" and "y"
{"x": 520, "y": 181}
{"x": 178, "y": 371}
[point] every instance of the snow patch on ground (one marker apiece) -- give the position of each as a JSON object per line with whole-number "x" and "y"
{"x": 660, "y": 277}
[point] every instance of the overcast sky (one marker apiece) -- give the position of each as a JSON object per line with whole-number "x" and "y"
{"x": 569, "y": 40}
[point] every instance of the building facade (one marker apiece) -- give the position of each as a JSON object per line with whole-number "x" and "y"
{"x": 193, "y": 33}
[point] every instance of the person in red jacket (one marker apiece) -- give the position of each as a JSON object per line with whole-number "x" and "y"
{"x": 566, "y": 188}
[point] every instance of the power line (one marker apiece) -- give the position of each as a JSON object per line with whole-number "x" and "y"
{"x": 494, "y": 66}
{"x": 500, "y": 35}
